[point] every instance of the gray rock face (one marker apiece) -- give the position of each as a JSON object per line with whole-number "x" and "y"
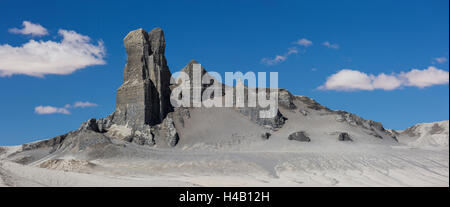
{"x": 104, "y": 123}
{"x": 171, "y": 132}
{"x": 253, "y": 114}
{"x": 143, "y": 100}
{"x": 376, "y": 128}
{"x": 100, "y": 125}
{"x": 393, "y": 132}
{"x": 166, "y": 133}
{"x": 144, "y": 97}
{"x": 189, "y": 70}
{"x": 434, "y": 134}
{"x": 84, "y": 139}
{"x": 45, "y": 143}
{"x": 344, "y": 136}
{"x": 411, "y": 131}
{"x": 181, "y": 114}
{"x": 143, "y": 139}
{"x": 286, "y": 99}
{"x": 436, "y": 129}
{"x": 91, "y": 127}
{"x": 159, "y": 72}
{"x": 91, "y": 124}
{"x": 312, "y": 104}
{"x": 299, "y": 136}
{"x": 144, "y": 136}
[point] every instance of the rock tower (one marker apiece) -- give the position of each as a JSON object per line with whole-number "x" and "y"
{"x": 144, "y": 97}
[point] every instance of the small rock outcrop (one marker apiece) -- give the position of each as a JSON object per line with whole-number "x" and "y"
{"x": 299, "y": 136}
{"x": 376, "y": 128}
{"x": 344, "y": 136}
{"x": 143, "y": 137}
{"x": 266, "y": 135}
{"x": 167, "y": 133}
{"x": 91, "y": 124}
{"x": 95, "y": 125}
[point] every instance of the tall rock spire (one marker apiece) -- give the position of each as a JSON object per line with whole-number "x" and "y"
{"x": 159, "y": 72}
{"x": 144, "y": 97}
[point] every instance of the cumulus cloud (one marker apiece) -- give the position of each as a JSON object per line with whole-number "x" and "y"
{"x": 30, "y": 28}
{"x": 424, "y": 78}
{"x": 347, "y": 79}
{"x": 39, "y": 58}
{"x": 304, "y": 42}
{"x": 50, "y": 110}
{"x": 62, "y": 110}
{"x": 441, "y": 59}
{"x": 352, "y": 80}
{"x": 385, "y": 82}
{"x": 329, "y": 45}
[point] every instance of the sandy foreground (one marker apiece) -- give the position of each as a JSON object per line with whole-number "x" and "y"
{"x": 397, "y": 166}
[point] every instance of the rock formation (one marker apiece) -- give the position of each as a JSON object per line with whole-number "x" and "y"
{"x": 304, "y": 136}
{"x": 265, "y": 135}
{"x": 435, "y": 134}
{"x": 144, "y": 97}
{"x": 299, "y": 136}
{"x": 144, "y": 114}
{"x": 344, "y": 136}
{"x": 285, "y": 99}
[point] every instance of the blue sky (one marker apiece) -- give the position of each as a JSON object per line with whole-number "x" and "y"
{"x": 368, "y": 38}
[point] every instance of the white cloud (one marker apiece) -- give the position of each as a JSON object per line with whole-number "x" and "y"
{"x": 280, "y": 58}
{"x": 424, "y": 78}
{"x": 329, "y": 45}
{"x": 50, "y": 110}
{"x": 304, "y": 42}
{"x": 30, "y": 28}
{"x": 292, "y": 50}
{"x": 62, "y": 110}
{"x": 441, "y": 59}
{"x": 39, "y": 58}
{"x": 351, "y": 80}
{"x": 273, "y": 61}
{"x": 84, "y": 104}
{"x": 385, "y": 82}
{"x": 347, "y": 79}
